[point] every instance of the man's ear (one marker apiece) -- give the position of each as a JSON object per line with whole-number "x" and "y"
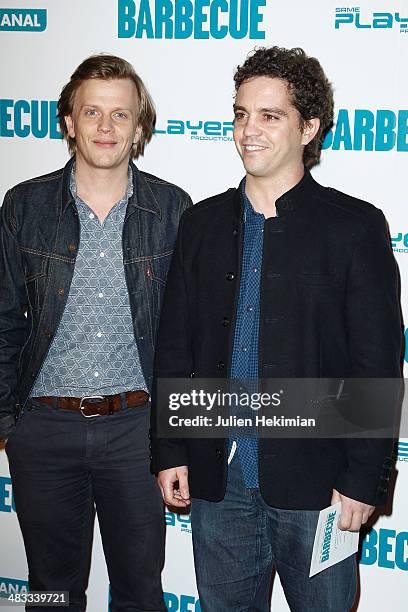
{"x": 137, "y": 135}
{"x": 310, "y": 129}
{"x": 69, "y": 122}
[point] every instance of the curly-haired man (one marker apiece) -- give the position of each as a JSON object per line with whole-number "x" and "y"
{"x": 279, "y": 278}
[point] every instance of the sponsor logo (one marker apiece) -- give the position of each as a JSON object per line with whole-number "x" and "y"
{"x": 402, "y": 453}
{"x": 198, "y": 130}
{"x": 386, "y": 548}
{"x": 376, "y": 21}
{"x": 366, "y": 130}
{"x": 181, "y": 603}
{"x": 23, "y": 20}
{"x": 22, "y": 118}
{"x": 400, "y": 243}
{"x": 181, "y": 521}
{"x": 200, "y": 19}
{"x": 6, "y": 495}
{"x": 11, "y": 586}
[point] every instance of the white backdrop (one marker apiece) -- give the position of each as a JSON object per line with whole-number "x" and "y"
{"x": 188, "y": 67}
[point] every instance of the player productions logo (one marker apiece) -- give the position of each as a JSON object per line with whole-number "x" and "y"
{"x": 386, "y": 548}
{"x": 402, "y": 453}
{"x": 23, "y": 20}
{"x": 199, "y": 19}
{"x": 355, "y": 17}
{"x": 22, "y": 118}
{"x": 181, "y": 521}
{"x": 12, "y": 586}
{"x": 181, "y": 603}
{"x": 400, "y": 243}
{"x": 200, "y": 130}
{"x": 6, "y": 495}
{"x": 362, "y": 129}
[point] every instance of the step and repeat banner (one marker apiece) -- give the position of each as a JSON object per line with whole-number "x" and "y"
{"x": 186, "y": 52}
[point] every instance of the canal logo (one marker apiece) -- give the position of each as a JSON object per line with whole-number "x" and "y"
{"x": 23, "y": 20}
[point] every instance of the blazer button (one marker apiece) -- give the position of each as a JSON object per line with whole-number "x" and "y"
{"x": 230, "y": 276}
{"x": 219, "y": 453}
{"x": 220, "y": 365}
{"x": 225, "y": 322}
{"x": 235, "y": 232}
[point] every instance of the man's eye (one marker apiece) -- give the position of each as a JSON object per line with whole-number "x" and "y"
{"x": 91, "y": 112}
{"x": 121, "y": 115}
{"x": 269, "y": 117}
{"x": 239, "y": 116}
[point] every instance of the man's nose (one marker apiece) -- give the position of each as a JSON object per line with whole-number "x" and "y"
{"x": 105, "y": 123}
{"x": 252, "y": 127}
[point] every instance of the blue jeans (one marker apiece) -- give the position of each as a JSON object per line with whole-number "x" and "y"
{"x": 239, "y": 540}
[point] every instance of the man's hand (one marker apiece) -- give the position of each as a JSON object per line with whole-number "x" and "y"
{"x": 167, "y": 479}
{"x": 353, "y": 513}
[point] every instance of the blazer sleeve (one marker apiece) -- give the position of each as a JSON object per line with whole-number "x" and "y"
{"x": 173, "y": 356}
{"x": 374, "y": 329}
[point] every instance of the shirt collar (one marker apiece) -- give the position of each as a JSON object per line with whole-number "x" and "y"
{"x": 119, "y": 205}
{"x": 250, "y": 214}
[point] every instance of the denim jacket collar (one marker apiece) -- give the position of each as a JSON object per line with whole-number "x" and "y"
{"x": 142, "y": 197}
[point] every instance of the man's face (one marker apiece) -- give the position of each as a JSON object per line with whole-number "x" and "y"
{"x": 267, "y": 130}
{"x": 104, "y": 122}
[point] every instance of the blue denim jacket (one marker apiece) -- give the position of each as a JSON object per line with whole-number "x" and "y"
{"x": 39, "y": 239}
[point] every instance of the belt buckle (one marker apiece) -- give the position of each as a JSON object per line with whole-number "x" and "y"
{"x": 81, "y": 407}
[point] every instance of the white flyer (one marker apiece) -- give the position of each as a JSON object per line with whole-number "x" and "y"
{"x": 331, "y": 544}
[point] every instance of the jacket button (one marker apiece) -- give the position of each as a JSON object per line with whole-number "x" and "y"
{"x": 47, "y": 333}
{"x": 71, "y": 248}
{"x": 235, "y": 232}
{"x": 220, "y": 365}
{"x": 219, "y": 453}
{"x": 230, "y": 276}
{"x": 61, "y": 291}
{"x": 225, "y": 322}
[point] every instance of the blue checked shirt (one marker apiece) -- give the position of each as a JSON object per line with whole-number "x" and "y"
{"x": 94, "y": 350}
{"x": 246, "y": 338}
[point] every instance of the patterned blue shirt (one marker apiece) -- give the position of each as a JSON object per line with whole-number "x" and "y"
{"x": 94, "y": 350}
{"x": 246, "y": 337}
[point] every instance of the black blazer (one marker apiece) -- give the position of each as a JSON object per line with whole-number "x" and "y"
{"x": 329, "y": 307}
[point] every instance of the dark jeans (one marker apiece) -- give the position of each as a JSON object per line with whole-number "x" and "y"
{"x": 64, "y": 466}
{"x": 239, "y": 540}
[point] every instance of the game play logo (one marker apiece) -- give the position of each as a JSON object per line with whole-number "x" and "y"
{"x": 354, "y": 17}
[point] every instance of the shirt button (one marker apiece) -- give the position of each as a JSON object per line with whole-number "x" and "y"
{"x": 96, "y": 374}
{"x": 102, "y": 254}
{"x": 229, "y": 276}
{"x": 249, "y": 308}
{"x": 91, "y": 216}
{"x": 244, "y": 349}
{"x": 254, "y": 269}
{"x": 100, "y": 294}
{"x": 99, "y": 334}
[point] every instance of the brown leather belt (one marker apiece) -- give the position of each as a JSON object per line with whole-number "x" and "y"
{"x": 97, "y": 405}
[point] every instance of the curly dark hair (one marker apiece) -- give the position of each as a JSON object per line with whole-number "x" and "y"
{"x": 312, "y": 93}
